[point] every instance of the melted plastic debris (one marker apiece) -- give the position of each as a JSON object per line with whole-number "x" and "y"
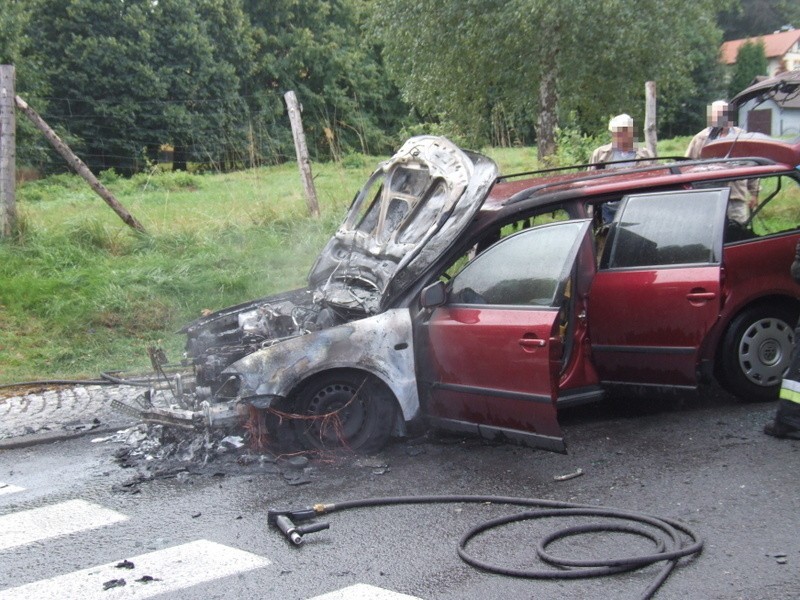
{"x": 164, "y": 452}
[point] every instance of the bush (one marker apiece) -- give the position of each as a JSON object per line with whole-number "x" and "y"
{"x": 574, "y": 147}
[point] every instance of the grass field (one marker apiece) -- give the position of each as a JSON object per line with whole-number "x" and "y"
{"x": 82, "y": 293}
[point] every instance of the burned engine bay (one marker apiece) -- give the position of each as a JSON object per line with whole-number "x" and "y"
{"x": 220, "y": 339}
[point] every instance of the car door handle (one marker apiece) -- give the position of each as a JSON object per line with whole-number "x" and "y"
{"x": 700, "y": 296}
{"x": 532, "y": 342}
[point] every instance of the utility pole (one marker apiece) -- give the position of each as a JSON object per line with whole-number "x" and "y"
{"x": 8, "y": 152}
{"x": 650, "y": 133}
{"x": 301, "y": 150}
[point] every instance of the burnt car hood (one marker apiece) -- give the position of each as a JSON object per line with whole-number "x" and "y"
{"x": 411, "y": 209}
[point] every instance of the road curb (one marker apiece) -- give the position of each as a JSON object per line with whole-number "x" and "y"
{"x": 52, "y": 415}
{"x": 36, "y": 439}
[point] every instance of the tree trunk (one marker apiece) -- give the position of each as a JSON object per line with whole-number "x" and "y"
{"x": 650, "y": 132}
{"x": 179, "y": 158}
{"x": 547, "y": 121}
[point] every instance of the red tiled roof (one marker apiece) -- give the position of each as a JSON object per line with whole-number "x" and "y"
{"x": 775, "y": 45}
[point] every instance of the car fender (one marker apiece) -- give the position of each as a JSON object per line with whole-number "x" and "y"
{"x": 381, "y": 345}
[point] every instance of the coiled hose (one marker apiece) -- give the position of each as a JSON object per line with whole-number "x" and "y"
{"x": 673, "y": 540}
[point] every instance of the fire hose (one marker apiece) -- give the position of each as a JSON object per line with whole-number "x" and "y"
{"x": 673, "y": 540}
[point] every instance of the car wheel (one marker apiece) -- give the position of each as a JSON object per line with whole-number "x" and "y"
{"x": 755, "y": 352}
{"x": 345, "y": 410}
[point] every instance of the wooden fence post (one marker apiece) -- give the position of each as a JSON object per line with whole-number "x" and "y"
{"x": 8, "y": 151}
{"x": 650, "y": 133}
{"x": 79, "y": 166}
{"x": 301, "y": 150}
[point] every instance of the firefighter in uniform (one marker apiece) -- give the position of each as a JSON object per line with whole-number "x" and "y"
{"x": 787, "y": 418}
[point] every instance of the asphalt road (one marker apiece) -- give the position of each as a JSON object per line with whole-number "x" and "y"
{"x": 699, "y": 459}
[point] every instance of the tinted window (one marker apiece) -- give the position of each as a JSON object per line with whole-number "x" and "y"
{"x": 524, "y": 269}
{"x": 674, "y": 228}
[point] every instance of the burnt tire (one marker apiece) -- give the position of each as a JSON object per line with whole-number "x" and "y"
{"x": 344, "y": 410}
{"x": 755, "y": 352}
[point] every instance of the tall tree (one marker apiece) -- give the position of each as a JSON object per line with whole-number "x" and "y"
{"x": 128, "y": 76}
{"x": 583, "y": 57}
{"x": 748, "y": 18}
{"x": 318, "y": 49}
{"x": 201, "y": 107}
{"x": 96, "y": 56}
{"x": 750, "y": 62}
{"x": 16, "y": 49}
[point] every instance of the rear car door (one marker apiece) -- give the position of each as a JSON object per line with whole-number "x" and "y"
{"x": 658, "y": 289}
{"x": 490, "y": 357}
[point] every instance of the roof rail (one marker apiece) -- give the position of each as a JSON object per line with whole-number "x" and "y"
{"x": 584, "y": 166}
{"x": 673, "y": 168}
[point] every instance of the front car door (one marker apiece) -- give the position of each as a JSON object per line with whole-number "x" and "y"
{"x": 489, "y": 358}
{"x": 657, "y": 291}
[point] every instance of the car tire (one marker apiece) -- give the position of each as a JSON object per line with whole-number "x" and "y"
{"x": 755, "y": 352}
{"x": 345, "y": 410}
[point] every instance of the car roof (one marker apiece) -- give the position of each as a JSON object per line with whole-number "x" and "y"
{"x": 728, "y": 160}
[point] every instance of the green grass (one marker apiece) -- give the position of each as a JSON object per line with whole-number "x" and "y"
{"x": 82, "y": 293}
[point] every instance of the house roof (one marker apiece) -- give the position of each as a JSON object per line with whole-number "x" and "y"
{"x": 784, "y": 89}
{"x": 775, "y": 45}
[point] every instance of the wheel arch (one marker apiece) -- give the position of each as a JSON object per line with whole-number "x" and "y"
{"x": 381, "y": 345}
{"x": 781, "y": 300}
{"x": 753, "y": 375}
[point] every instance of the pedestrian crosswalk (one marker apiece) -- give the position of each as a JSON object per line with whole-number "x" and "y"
{"x": 364, "y": 592}
{"x": 7, "y": 488}
{"x": 151, "y": 574}
{"x": 159, "y": 573}
{"x": 65, "y": 518}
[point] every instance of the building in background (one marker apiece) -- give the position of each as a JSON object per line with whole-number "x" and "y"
{"x": 781, "y": 48}
{"x": 775, "y": 114}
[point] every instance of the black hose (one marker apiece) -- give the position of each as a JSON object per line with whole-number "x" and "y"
{"x": 134, "y": 382}
{"x": 58, "y": 382}
{"x": 672, "y": 540}
{"x": 106, "y": 378}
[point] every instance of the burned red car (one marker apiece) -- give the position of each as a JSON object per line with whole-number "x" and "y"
{"x": 475, "y": 302}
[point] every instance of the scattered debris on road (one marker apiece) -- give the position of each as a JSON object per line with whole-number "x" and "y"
{"x": 568, "y": 476}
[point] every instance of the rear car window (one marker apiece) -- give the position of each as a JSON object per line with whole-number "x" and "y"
{"x": 664, "y": 229}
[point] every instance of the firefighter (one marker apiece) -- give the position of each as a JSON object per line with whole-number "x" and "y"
{"x": 786, "y": 423}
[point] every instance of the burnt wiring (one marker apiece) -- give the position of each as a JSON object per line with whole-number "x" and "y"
{"x": 673, "y": 540}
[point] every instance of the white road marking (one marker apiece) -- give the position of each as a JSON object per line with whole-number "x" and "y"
{"x": 172, "y": 569}
{"x": 24, "y": 527}
{"x": 361, "y": 591}
{"x": 7, "y": 488}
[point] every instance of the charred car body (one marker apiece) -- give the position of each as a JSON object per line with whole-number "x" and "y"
{"x": 480, "y": 303}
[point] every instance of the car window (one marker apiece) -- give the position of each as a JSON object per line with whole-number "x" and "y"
{"x": 526, "y": 269}
{"x": 779, "y": 206}
{"x": 670, "y": 228}
{"x": 492, "y": 237}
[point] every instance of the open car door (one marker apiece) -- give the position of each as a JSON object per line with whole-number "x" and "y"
{"x": 489, "y": 358}
{"x": 658, "y": 290}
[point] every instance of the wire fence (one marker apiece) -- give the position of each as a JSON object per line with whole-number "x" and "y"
{"x": 195, "y": 134}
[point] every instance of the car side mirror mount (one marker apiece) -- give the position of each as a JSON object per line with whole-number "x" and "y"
{"x": 433, "y": 295}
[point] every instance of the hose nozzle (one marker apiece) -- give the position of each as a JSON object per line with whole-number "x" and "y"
{"x": 283, "y": 520}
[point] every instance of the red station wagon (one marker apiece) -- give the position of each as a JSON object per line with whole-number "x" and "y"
{"x": 483, "y": 303}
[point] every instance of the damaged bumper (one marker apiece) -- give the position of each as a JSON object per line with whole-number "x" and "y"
{"x": 200, "y": 415}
